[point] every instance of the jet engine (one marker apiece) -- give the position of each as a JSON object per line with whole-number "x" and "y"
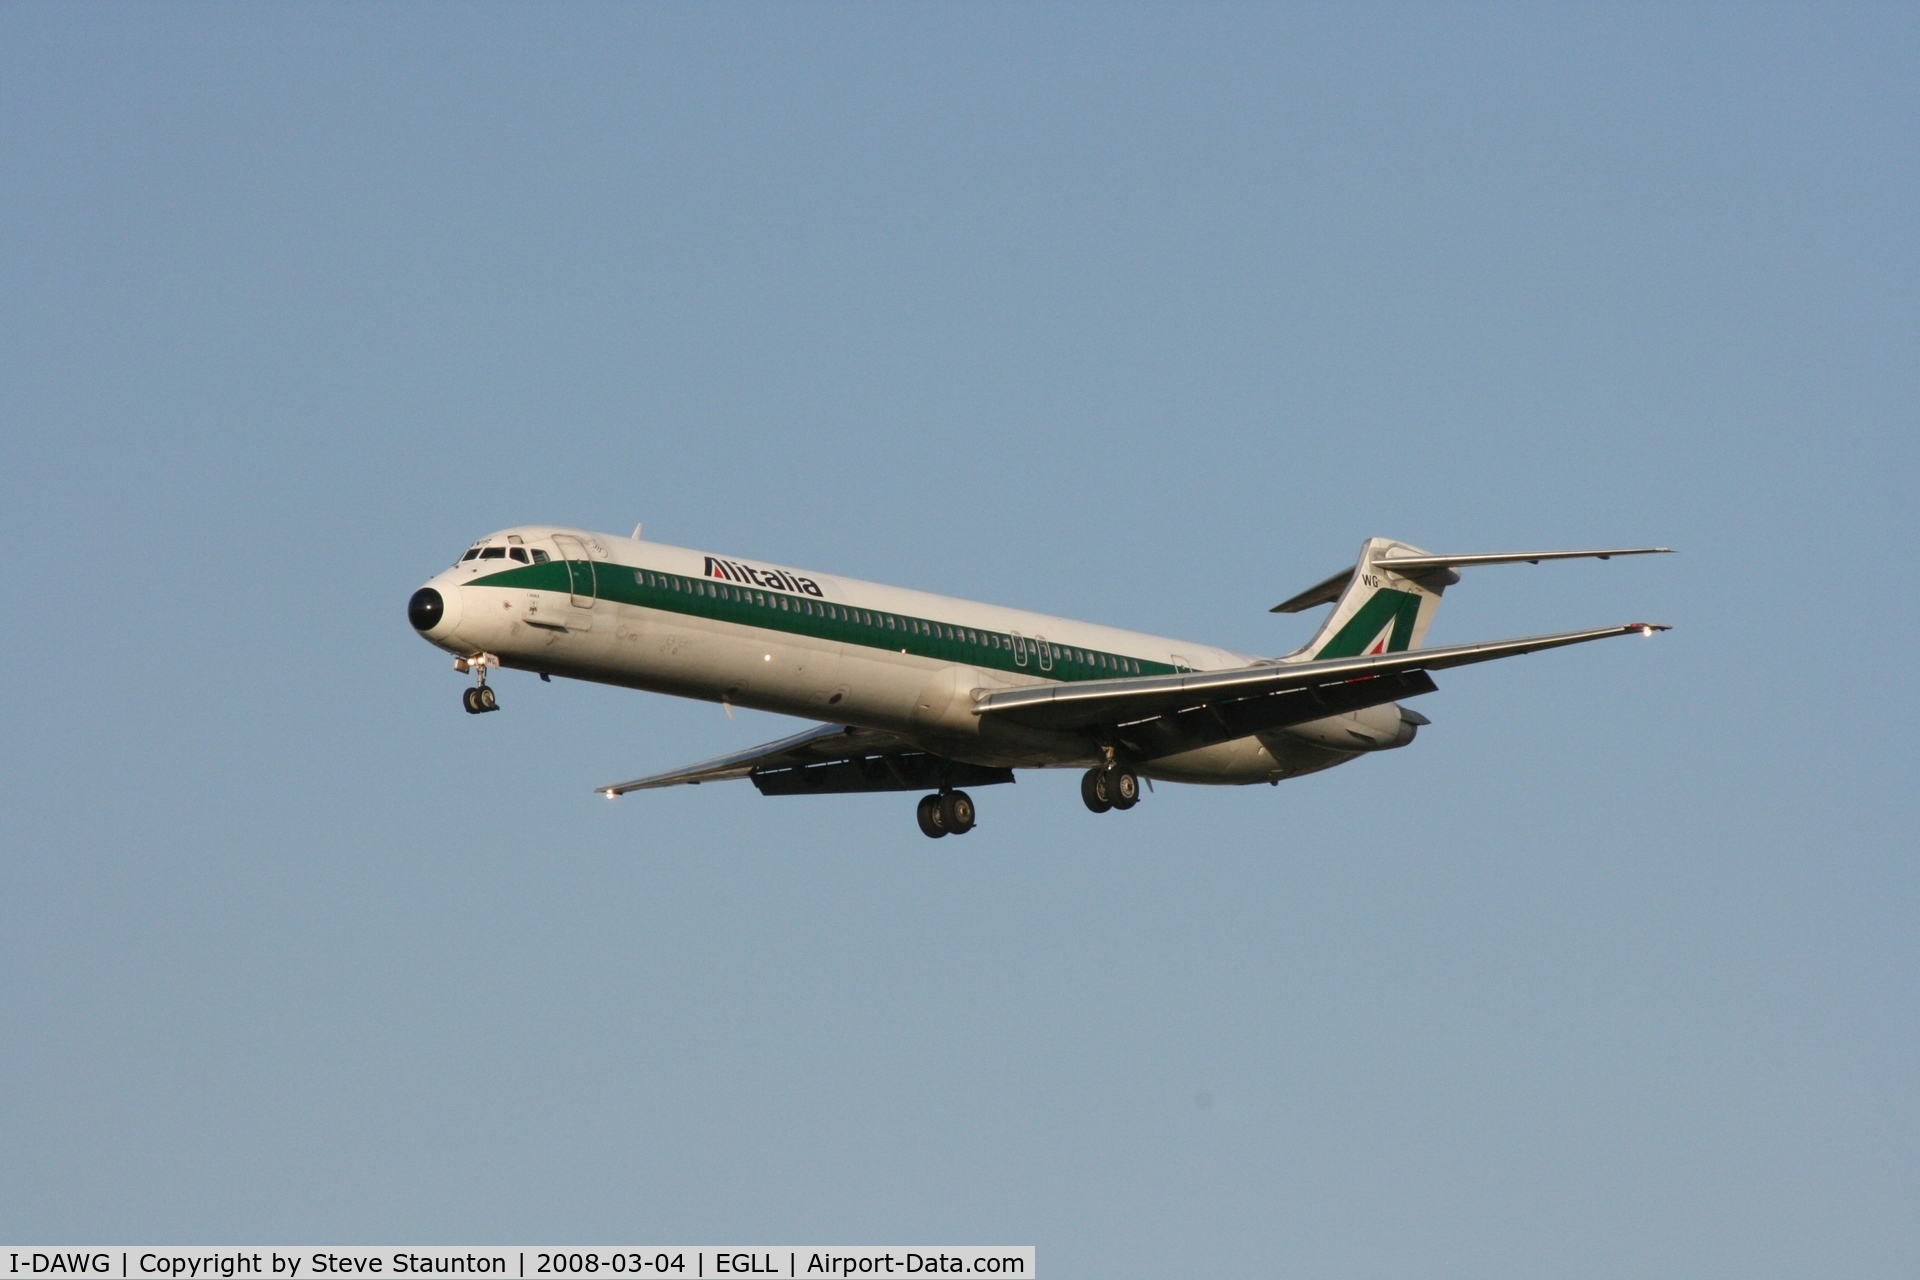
{"x": 1379, "y": 728}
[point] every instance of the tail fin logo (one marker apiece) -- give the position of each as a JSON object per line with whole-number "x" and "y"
{"x": 1384, "y": 624}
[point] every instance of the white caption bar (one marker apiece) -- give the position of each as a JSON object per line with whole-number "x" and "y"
{"x": 674, "y": 1262}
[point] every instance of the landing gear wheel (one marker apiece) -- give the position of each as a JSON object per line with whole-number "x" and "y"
{"x": 484, "y": 696}
{"x": 1095, "y": 791}
{"x": 956, "y": 812}
{"x": 1123, "y": 787}
{"x": 931, "y": 820}
{"x": 469, "y": 698}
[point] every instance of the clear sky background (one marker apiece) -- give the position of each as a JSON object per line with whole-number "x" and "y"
{"x": 1142, "y": 315}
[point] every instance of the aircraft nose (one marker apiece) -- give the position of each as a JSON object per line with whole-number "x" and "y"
{"x": 426, "y": 609}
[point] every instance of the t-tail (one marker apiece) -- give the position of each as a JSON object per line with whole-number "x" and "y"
{"x": 1386, "y": 601}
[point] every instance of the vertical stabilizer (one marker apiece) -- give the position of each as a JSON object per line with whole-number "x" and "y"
{"x": 1380, "y": 611}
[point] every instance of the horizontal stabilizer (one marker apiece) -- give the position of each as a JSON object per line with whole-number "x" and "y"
{"x": 1423, "y": 564}
{"x": 1320, "y": 593}
{"x": 1330, "y": 590}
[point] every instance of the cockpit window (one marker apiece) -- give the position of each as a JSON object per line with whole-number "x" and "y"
{"x": 471, "y": 553}
{"x": 494, "y": 553}
{"x": 518, "y": 553}
{"x": 539, "y": 556}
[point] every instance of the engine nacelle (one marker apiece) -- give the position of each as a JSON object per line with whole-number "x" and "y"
{"x": 1380, "y": 728}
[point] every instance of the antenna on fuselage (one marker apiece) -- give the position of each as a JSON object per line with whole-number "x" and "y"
{"x": 636, "y": 533}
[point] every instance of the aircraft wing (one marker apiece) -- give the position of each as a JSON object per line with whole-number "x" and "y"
{"x": 1270, "y": 695}
{"x": 829, "y": 759}
{"x": 815, "y": 746}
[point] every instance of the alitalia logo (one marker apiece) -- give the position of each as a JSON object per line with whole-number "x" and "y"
{"x": 1380, "y": 641}
{"x": 778, "y": 579}
{"x": 1384, "y": 624}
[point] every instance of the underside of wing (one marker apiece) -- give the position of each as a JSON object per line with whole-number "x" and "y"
{"x": 1160, "y": 714}
{"x": 833, "y": 758}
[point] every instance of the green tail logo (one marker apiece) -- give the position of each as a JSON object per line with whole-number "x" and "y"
{"x": 1384, "y": 624}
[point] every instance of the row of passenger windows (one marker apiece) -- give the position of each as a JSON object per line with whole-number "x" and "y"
{"x": 887, "y": 621}
{"x": 503, "y": 553}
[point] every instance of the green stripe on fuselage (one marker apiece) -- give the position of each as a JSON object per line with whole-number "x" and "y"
{"x": 808, "y": 616}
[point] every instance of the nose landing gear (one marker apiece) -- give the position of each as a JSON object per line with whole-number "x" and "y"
{"x": 1112, "y": 786}
{"x": 479, "y": 699}
{"x": 946, "y": 813}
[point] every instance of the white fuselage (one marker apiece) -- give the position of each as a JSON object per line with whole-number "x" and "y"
{"x": 593, "y": 606}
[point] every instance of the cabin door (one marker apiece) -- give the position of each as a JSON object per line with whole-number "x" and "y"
{"x": 580, "y": 570}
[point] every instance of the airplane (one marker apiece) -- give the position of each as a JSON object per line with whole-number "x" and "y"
{"x": 922, "y": 692}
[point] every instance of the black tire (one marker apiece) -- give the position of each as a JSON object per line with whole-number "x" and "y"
{"x": 931, "y": 821}
{"x": 1124, "y": 788}
{"x": 468, "y": 701}
{"x": 956, "y": 812}
{"x": 1093, "y": 790}
{"x": 484, "y": 696}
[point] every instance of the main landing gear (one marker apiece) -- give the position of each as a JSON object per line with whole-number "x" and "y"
{"x": 1111, "y": 786}
{"x": 479, "y": 699}
{"x": 948, "y": 813}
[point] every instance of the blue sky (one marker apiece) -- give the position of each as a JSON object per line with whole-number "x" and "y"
{"x": 1143, "y": 315}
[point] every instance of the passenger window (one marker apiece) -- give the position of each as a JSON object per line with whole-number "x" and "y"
{"x": 518, "y": 553}
{"x": 471, "y": 553}
{"x": 783, "y": 602}
{"x": 539, "y": 556}
{"x": 494, "y": 553}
